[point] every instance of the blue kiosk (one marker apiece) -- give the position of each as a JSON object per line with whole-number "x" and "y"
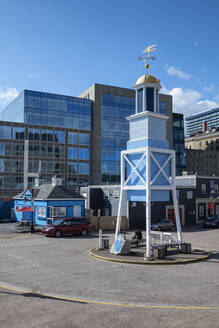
{"x": 148, "y": 165}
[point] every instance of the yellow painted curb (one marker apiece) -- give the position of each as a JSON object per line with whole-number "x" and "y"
{"x": 84, "y": 301}
{"x": 203, "y": 258}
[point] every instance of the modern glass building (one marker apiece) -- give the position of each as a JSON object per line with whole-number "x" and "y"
{"x": 194, "y": 122}
{"x": 53, "y": 137}
{"x": 179, "y": 142}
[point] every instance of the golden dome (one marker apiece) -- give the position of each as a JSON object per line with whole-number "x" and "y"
{"x": 147, "y": 79}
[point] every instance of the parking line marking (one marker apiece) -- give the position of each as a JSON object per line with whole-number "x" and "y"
{"x": 112, "y": 303}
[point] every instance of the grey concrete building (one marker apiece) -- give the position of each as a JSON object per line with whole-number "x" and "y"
{"x": 202, "y": 153}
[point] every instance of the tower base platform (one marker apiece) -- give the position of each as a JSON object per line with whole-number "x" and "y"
{"x": 137, "y": 256}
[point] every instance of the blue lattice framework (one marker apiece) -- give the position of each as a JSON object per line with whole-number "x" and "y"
{"x": 147, "y": 179}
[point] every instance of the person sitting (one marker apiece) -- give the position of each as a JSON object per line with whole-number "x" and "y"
{"x": 137, "y": 236}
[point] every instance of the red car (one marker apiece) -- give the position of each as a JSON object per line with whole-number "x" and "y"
{"x": 68, "y": 226}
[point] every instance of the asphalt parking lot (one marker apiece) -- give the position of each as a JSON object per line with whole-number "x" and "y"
{"x": 93, "y": 293}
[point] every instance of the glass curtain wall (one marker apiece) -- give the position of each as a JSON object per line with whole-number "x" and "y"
{"x": 114, "y": 134}
{"x": 178, "y": 143}
{"x": 57, "y": 110}
{"x": 47, "y": 120}
{"x": 11, "y": 158}
{"x": 78, "y": 158}
{"x": 49, "y": 154}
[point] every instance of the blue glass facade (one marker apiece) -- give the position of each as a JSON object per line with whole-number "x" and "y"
{"x": 179, "y": 142}
{"x": 163, "y": 108}
{"x": 114, "y": 134}
{"x": 49, "y": 109}
{"x": 51, "y": 150}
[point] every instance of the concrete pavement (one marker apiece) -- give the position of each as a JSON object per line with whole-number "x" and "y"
{"x": 62, "y": 267}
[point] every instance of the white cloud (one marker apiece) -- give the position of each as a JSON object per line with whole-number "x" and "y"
{"x": 208, "y": 88}
{"x": 189, "y": 101}
{"x": 173, "y": 71}
{"x": 207, "y": 104}
{"x": 33, "y": 75}
{"x": 7, "y": 95}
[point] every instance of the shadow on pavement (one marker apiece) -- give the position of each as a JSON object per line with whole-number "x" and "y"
{"x": 195, "y": 228}
{"x": 215, "y": 256}
{"x": 36, "y": 295}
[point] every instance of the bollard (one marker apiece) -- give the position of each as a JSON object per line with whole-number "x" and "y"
{"x": 100, "y": 239}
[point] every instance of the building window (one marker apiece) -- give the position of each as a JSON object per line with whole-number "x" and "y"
{"x": 5, "y": 132}
{"x": 140, "y": 100}
{"x": 106, "y": 194}
{"x": 59, "y": 136}
{"x": 59, "y": 167}
{"x": 72, "y": 168}
{"x": 57, "y": 212}
{"x": 1, "y": 165}
{"x": 150, "y": 99}
{"x": 116, "y": 194}
{"x": 72, "y": 153}
{"x": 34, "y": 134}
{"x": 203, "y": 189}
{"x": 201, "y": 210}
{"x": 2, "y": 148}
{"x": 216, "y": 188}
{"x": 18, "y": 133}
{"x": 84, "y": 139}
{"x": 163, "y": 108}
{"x": 84, "y": 154}
{"x": 189, "y": 194}
{"x": 84, "y": 168}
{"x": 41, "y": 212}
{"x": 62, "y": 211}
{"x": 73, "y": 138}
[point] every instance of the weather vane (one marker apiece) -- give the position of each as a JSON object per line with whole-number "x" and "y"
{"x": 147, "y": 57}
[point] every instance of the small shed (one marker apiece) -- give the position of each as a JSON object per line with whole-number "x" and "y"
{"x": 48, "y": 201}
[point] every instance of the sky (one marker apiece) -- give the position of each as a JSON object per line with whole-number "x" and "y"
{"x": 64, "y": 46}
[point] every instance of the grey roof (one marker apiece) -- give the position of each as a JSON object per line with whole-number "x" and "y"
{"x": 63, "y": 192}
{"x": 48, "y": 191}
{"x": 43, "y": 191}
{"x": 18, "y": 195}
